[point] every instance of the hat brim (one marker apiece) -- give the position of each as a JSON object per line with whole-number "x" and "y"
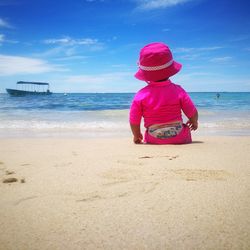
{"x": 158, "y": 75}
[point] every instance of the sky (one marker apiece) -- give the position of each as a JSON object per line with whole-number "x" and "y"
{"x": 93, "y": 45}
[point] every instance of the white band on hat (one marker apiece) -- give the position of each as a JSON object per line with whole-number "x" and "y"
{"x": 153, "y": 68}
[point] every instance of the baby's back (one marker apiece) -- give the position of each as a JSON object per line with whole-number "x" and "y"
{"x": 161, "y": 103}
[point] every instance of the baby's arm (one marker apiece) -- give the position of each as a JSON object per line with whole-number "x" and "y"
{"x": 136, "y": 130}
{"x": 192, "y": 123}
{"x": 135, "y": 121}
{"x": 189, "y": 109}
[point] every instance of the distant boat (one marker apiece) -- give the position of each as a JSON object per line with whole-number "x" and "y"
{"x": 30, "y": 88}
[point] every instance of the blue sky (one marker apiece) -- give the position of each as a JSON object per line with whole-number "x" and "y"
{"x": 93, "y": 45}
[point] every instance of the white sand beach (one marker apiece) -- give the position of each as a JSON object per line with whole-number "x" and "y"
{"x": 111, "y": 194}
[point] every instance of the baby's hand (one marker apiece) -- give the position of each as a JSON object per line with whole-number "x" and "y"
{"x": 138, "y": 140}
{"x": 193, "y": 125}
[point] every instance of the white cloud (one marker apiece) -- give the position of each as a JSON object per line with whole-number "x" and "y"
{"x": 119, "y": 81}
{"x": 157, "y": 4}
{"x": 59, "y": 52}
{"x": 221, "y": 59}
{"x": 67, "y": 46}
{"x": 51, "y": 52}
{"x": 12, "y": 65}
{"x": 69, "y": 58}
{"x": 98, "y": 79}
{"x": 191, "y": 53}
{"x": 70, "y": 41}
{"x": 4, "y": 40}
{"x": 240, "y": 38}
{"x": 201, "y": 49}
{"x": 4, "y": 24}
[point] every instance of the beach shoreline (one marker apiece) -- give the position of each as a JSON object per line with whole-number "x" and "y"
{"x": 107, "y": 115}
{"x": 108, "y": 193}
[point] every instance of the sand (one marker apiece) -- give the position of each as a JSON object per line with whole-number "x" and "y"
{"x": 111, "y": 194}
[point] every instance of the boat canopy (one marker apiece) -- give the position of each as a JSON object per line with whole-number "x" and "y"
{"x": 35, "y": 83}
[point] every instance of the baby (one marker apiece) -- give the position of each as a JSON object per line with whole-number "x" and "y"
{"x": 161, "y": 102}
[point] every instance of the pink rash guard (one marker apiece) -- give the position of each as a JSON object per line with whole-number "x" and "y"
{"x": 162, "y": 102}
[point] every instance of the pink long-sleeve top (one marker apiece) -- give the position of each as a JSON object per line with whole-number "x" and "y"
{"x": 160, "y": 102}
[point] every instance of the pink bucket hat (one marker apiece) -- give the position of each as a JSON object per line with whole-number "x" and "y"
{"x": 156, "y": 63}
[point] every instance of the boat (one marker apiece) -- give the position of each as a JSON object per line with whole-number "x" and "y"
{"x": 30, "y": 88}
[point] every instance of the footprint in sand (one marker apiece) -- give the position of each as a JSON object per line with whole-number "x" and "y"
{"x": 95, "y": 196}
{"x": 146, "y": 157}
{"x": 91, "y": 197}
{"x": 25, "y": 164}
{"x": 119, "y": 175}
{"x": 200, "y": 174}
{"x": 8, "y": 172}
{"x": 12, "y": 179}
{"x": 148, "y": 187}
{"x": 160, "y": 156}
{"x": 25, "y": 199}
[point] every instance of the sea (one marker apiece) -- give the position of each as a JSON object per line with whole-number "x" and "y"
{"x": 87, "y": 115}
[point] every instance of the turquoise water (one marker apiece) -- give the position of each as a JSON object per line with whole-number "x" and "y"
{"x": 90, "y": 115}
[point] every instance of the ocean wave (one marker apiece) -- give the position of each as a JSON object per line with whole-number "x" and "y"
{"x": 46, "y": 125}
{"x": 105, "y": 125}
{"x": 225, "y": 125}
